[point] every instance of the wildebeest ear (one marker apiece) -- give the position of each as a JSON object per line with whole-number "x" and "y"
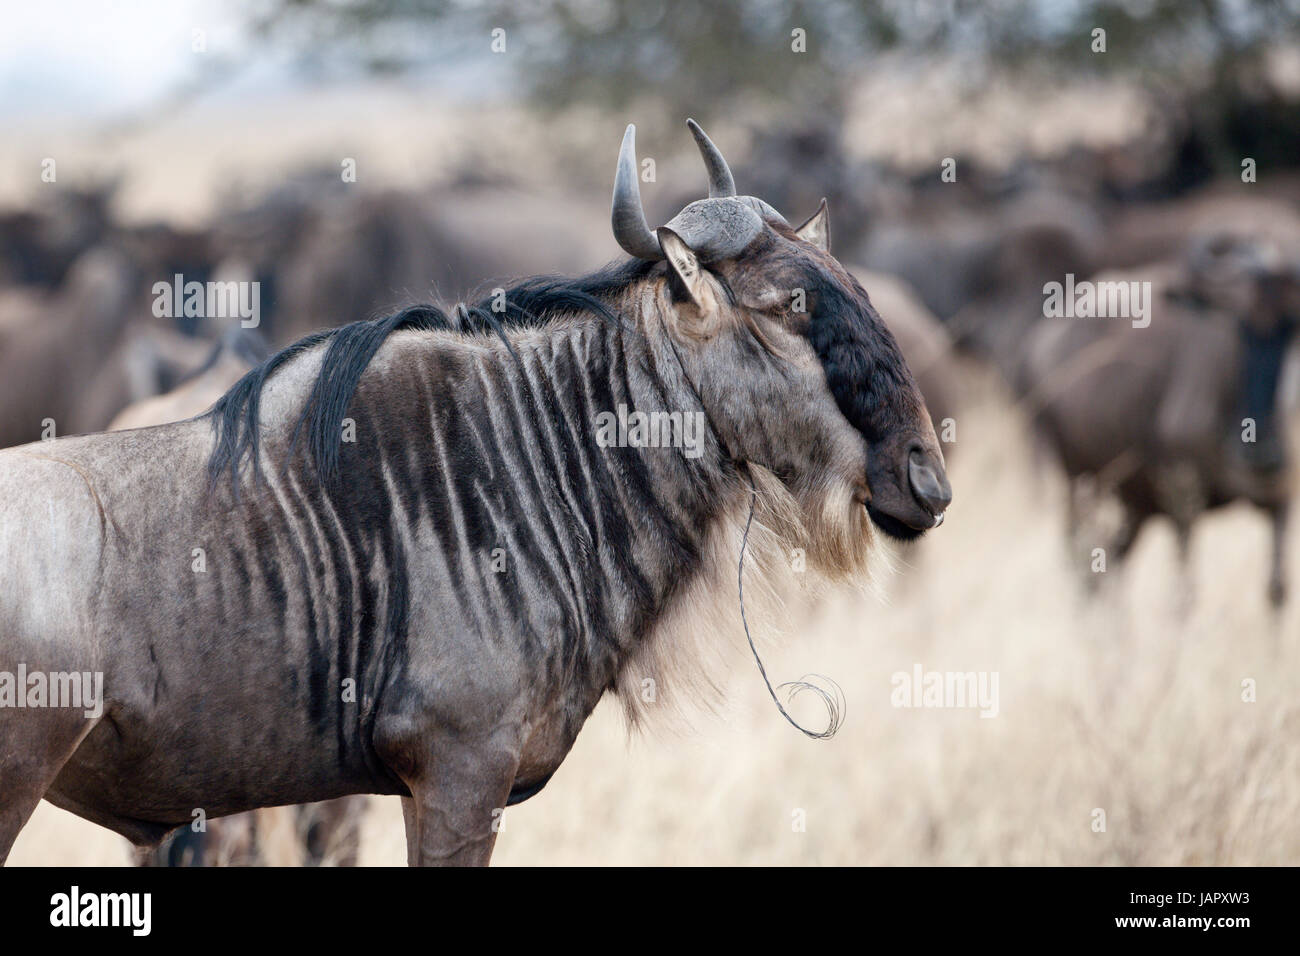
{"x": 817, "y": 229}
{"x": 684, "y": 264}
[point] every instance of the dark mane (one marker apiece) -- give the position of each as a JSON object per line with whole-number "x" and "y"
{"x": 530, "y": 302}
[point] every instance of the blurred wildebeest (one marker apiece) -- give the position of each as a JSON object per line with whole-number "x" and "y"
{"x": 49, "y": 354}
{"x": 327, "y": 833}
{"x": 1180, "y": 416}
{"x": 183, "y": 376}
{"x": 1141, "y": 233}
{"x": 322, "y": 253}
{"x": 426, "y": 547}
{"x": 324, "y": 259}
{"x": 150, "y": 360}
{"x": 64, "y": 354}
{"x": 981, "y": 270}
{"x": 39, "y": 245}
{"x": 797, "y": 164}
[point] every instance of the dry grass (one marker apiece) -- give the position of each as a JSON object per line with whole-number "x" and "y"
{"x": 1116, "y": 703}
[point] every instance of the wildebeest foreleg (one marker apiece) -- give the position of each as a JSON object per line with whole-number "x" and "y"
{"x": 1277, "y": 574}
{"x": 408, "y": 818}
{"x": 1186, "y": 573}
{"x": 1126, "y": 536}
{"x": 457, "y": 805}
{"x": 34, "y": 746}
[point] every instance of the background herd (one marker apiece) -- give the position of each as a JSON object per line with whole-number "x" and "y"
{"x": 1124, "y": 681}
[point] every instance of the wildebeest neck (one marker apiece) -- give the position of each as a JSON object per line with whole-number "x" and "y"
{"x": 565, "y": 543}
{"x": 1263, "y": 352}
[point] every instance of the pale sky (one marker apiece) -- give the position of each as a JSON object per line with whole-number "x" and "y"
{"x": 94, "y": 58}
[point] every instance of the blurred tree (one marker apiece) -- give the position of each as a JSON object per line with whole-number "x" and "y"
{"x": 1204, "y": 62}
{"x": 693, "y": 57}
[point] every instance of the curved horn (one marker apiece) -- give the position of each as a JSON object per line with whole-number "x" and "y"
{"x": 627, "y": 216}
{"x": 721, "y": 183}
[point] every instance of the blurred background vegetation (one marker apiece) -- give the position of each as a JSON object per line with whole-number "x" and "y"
{"x": 1209, "y": 66}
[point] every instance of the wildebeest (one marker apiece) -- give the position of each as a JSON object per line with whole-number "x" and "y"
{"x": 324, "y": 256}
{"x": 1180, "y": 416}
{"x": 191, "y": 386}
{"x": 51, "y": 345}
{"x": 66, "y": 364}
{"x": 312, "y": 834}
{"x": 981, "y": 270}
{"x": 38, "y": 246}
{"x": 1140, "y": 233}
{"x": 409, "y": 555}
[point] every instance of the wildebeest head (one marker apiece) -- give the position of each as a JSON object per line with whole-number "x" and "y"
{"x": 796, "y": 369}
{"x": 1254, "y": 283}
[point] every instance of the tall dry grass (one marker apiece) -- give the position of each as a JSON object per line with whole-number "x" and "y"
{"x": 1120, "y": 702}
